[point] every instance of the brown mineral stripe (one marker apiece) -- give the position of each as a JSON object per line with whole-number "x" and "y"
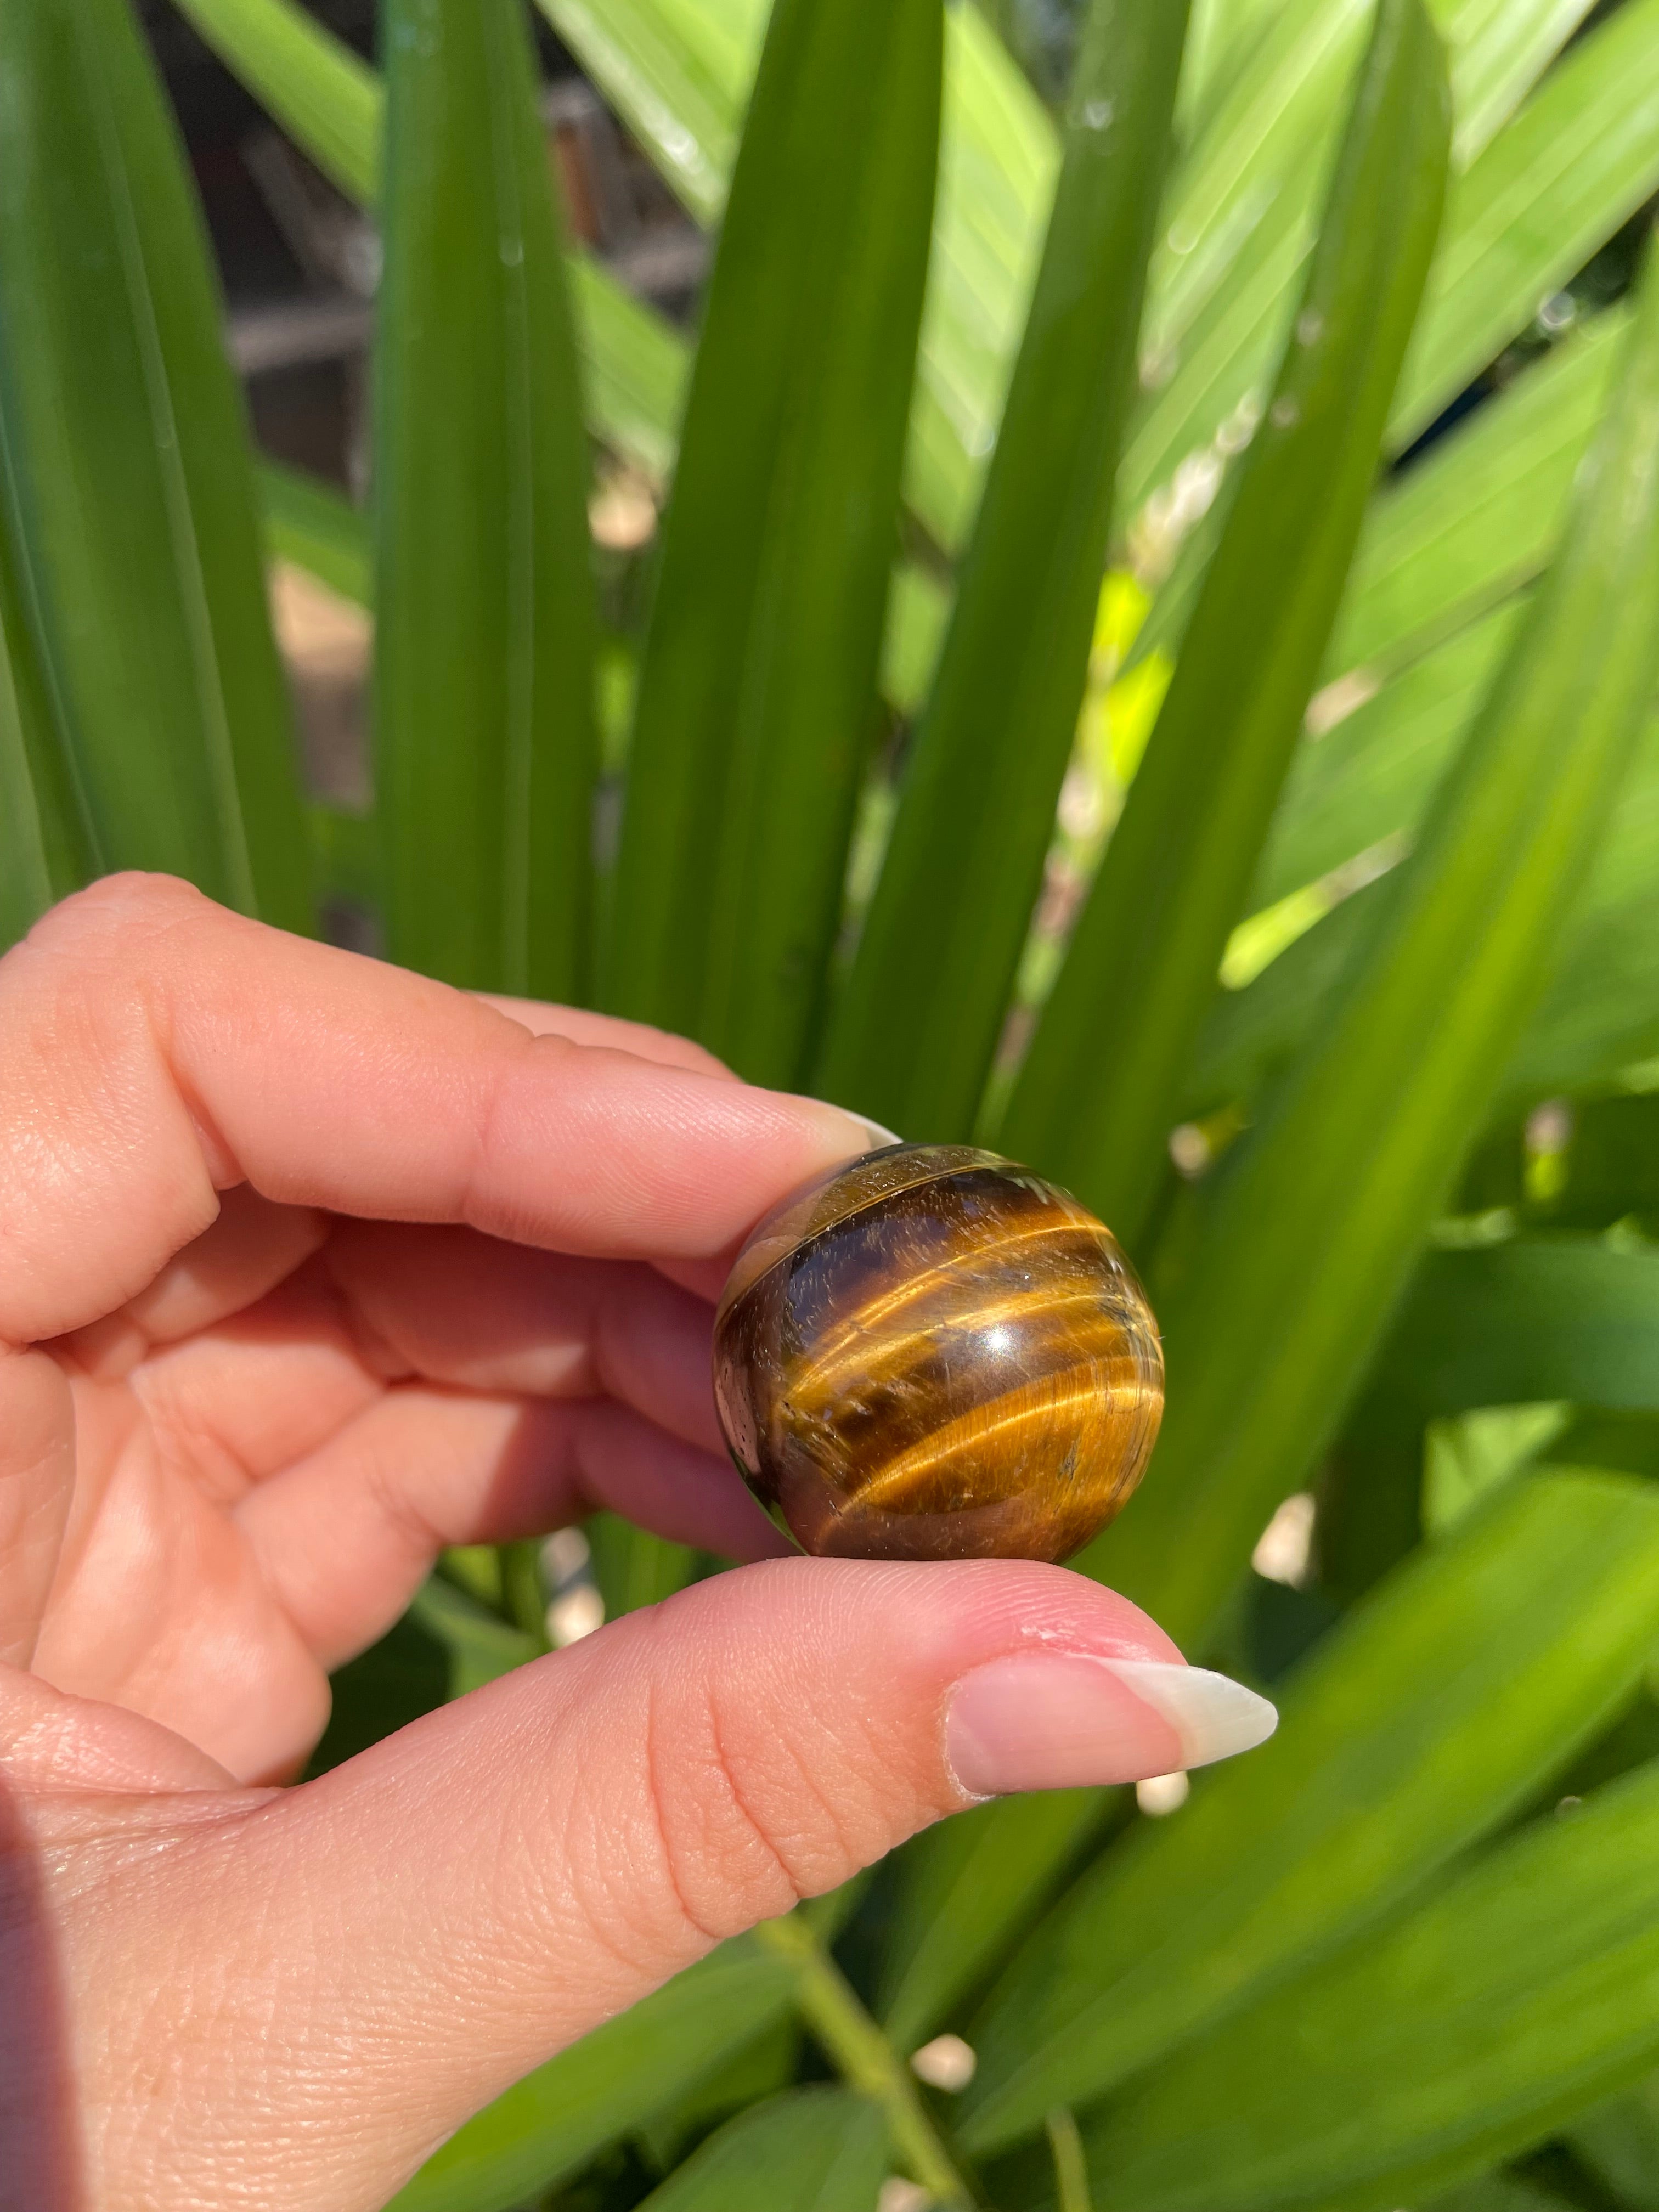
{"x": 949, "y": 1358}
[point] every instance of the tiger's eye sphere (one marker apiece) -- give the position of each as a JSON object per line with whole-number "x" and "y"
{"x": 934, "y": 1354}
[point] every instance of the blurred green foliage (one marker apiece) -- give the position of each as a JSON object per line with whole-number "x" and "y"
{"x": 1294, "y": 896}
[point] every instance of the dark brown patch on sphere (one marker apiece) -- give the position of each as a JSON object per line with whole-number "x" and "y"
{"x": 934, "y": 1354}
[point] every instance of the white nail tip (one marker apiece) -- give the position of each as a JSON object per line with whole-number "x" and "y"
{"x": 1214, "y": 1715}
{"x": 883, "y": 1137}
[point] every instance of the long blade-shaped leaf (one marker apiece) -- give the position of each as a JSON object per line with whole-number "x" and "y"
{"x": 757, "y": 698}
{"x": 1537, "y": 1318}
{"x": 810, "y": 2150}
{"x": 324, "y": 94}
{"x": 1521, "y": 1995}
{"x": 681, "y": 76}
{"x": 1241, "y": 219}
{"x": 918, "y": 1021}
{"x": 128, "y": 490}
{"x": 965, "y": 1890}
{"x": 43, "y": 850}
{"x": 1094, "y": 1102}
{"x": 485, "y": 750}
{"x": 332, "y": 104}
{"x": 1434, "y": 1713}
{"x": 309, "y": 522}
{"x": 640, "y": 2063}
{"x": 1479, "y": 515}
{"x": 1580, "y": 157}
{"x": 1306, "y": 1242}
{"x": 27, "y": 829}
{"x": 1600, "y": 1011}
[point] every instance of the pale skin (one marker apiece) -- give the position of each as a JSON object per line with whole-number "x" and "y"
{"x": 309, "y": 1267}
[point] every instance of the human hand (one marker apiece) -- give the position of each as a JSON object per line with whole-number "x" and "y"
{"x": 307, "y": 1269}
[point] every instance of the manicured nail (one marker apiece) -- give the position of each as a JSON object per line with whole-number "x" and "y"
{"x": 1048, "y": 1720}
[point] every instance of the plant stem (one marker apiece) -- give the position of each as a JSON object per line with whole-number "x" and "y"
{"x": 523, "y": 1595}
{"x": 1070, "y": 2167}
{"x": 865, "y": 2059}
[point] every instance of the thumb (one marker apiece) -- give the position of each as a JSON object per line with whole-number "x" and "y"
{"x": 413, "y": 1932}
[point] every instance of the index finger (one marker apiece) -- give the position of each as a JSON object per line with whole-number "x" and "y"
{"x": 155, "y": 1048}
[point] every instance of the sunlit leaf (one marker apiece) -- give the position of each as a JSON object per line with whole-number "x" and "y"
{"x": 1520, "y": 1994}
{"x": 1142, "y": 963}
{"x": 1431, "y": 1714}
{"x": 1311, "y": 1227}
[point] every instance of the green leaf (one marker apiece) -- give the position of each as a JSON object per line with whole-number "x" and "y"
{"x": 1500, "y": 49}
{"x": 1373, "y": 775}
{"x": 1478, "y": 516}
{"x": 965, "y": 1891}
{"x": 485, "y": 614}
{"x": 636, "y": 365}
{"x": 553, "y": 2122}
{"x": 327, "y": 99}
{"x": 1522, "y": 1993}
{"x": 1142, "y": 963}
{"x": 309, "y": 522}
{"x": 756, "y": 699}
{"x": 1307, "y": 1233}
{"x": 42, "y": 855}
{"x": 1533, "y": 1319}
{"x": 345, "y": 855}
{"x": 680, "y": 74}
{"x": 25, "y": 888}
{"x": 679, "y": 71}
{"x": 1430, "y": 1715}
{"x": 479, "y": 1645}
{"x": 1619, "y": 2144}
{"x": 810, "y": 2150}
{"x": 332, "y": 104}
{"x": 917, "y": 1025}
{"x": 128, "y": 497}
{"x": 1579, "y": 160}
{"x": 1600, "y": 1010}
{"x": 632, "y": 1567}
{"x": 1241, "y": 213}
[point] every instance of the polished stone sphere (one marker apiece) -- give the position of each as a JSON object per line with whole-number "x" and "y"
{"x": 934, "y": 1354}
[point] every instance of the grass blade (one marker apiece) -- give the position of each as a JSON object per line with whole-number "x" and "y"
{"x": 913, "y": 1035}
{"x": 756, "y": 698}
{"x": 1430, "y": 1715}
{"x": 1095, "y": 1100}
{"x": 129, "y": 498}
{"x": 1306, "y": 1242}
{"x": 485, "y": 620}
{"x": 1519, "y": 1996}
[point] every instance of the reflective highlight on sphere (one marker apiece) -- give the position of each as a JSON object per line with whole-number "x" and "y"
{"x": 934, "y": 1354}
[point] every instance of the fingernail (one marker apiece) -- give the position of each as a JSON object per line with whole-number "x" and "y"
{"x": 1063, "y": 1721}
{"x": 881, "y": 1137}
